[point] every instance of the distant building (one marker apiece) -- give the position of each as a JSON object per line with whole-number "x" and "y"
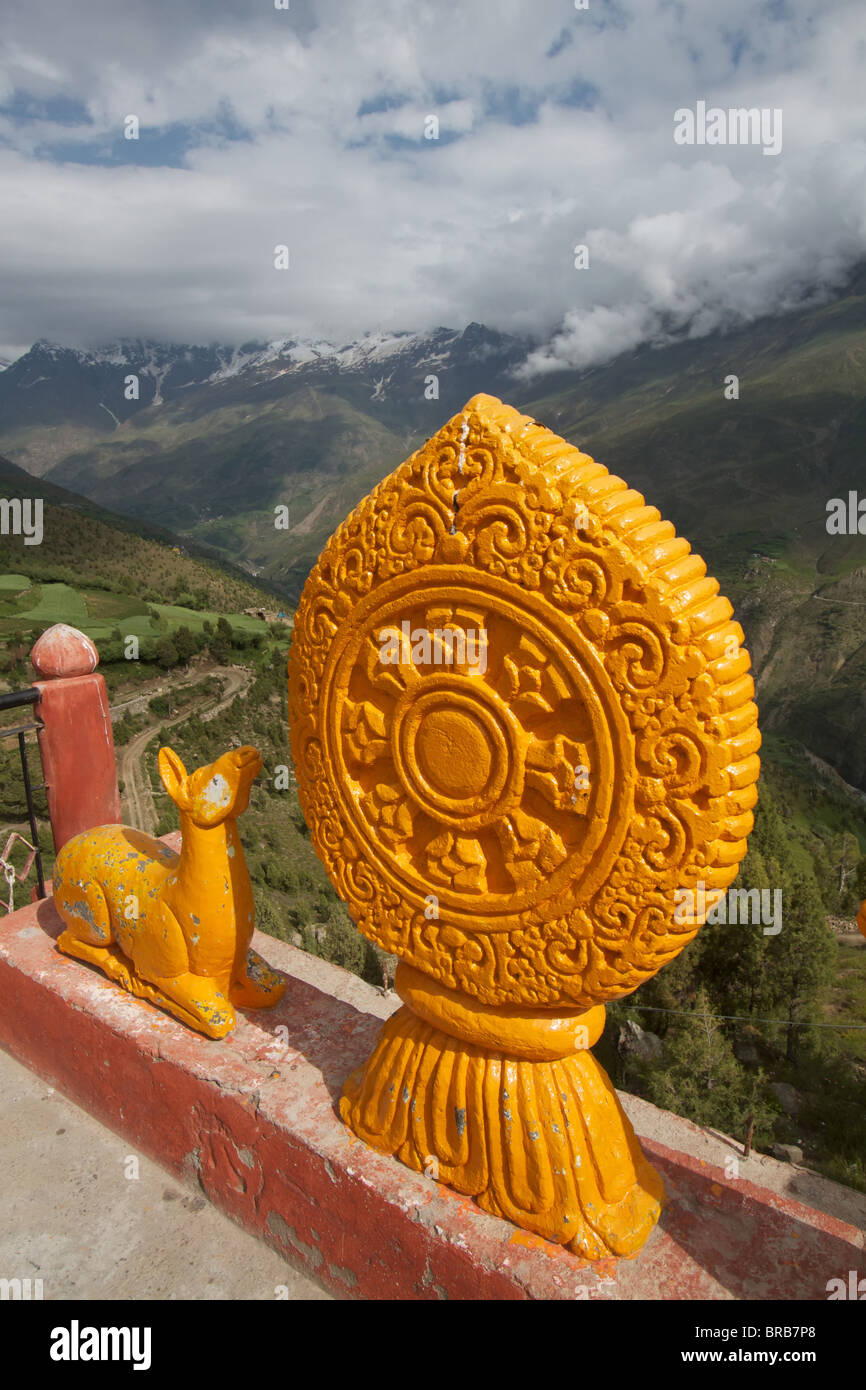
{"x": 265, "y": 614}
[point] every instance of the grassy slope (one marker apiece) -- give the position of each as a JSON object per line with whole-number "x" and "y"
{"x": 217, "y": 475}
{"x": 99, "y": 613}
{"x": 88, "y": 546}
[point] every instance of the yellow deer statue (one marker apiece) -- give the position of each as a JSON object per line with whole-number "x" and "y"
{"x": 173, "y": 929}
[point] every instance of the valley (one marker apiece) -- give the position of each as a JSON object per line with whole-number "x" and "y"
{"x": 161, "y": 542}
{"x": 220, "y": 438}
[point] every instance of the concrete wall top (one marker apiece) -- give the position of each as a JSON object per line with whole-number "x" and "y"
{"x": 252, "y": 1122}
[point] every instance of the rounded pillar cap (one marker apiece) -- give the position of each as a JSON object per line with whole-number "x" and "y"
{"x": 63, "y": 651}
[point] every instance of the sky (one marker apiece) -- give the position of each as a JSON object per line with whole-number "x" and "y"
{"x": 307, "y": 127}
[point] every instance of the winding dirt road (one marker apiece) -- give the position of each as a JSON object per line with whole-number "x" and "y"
{"x": 137, "y": 803}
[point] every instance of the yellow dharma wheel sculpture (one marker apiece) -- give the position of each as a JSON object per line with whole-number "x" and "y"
{"x": 522, "y": 724}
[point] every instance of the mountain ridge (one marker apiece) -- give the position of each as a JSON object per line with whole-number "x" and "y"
{"x": 746, "y": 477}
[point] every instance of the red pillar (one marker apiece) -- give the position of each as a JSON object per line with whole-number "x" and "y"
{"x": 75, "y": 741}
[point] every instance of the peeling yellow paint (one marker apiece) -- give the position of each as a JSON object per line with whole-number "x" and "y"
{"x": 188, "y": 947}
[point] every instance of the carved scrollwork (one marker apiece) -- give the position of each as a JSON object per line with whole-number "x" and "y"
{"x": 502, "y": 696}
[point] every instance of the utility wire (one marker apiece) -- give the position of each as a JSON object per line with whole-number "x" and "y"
{"x": 746, "y": 1018}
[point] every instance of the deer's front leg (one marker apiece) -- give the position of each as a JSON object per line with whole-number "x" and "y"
{"x": 257, "y": 986}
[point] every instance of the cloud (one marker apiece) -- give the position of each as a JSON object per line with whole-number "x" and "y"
{"x": 306, "y": 127}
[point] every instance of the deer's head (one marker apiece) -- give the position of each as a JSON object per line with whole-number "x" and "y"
{"x": 213, "y": 793}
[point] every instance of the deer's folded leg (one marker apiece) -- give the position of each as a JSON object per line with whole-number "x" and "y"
{"x": 84, "y": 909}
{"x": 161, "y": 951}
{"x": 198, "y": 1001}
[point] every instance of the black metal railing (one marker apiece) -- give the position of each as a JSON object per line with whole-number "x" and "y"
{"x": 14, "y": 699}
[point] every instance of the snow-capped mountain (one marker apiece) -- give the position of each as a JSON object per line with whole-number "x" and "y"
{"x": 219, "y": 436}
{"x": 101, "y": 388}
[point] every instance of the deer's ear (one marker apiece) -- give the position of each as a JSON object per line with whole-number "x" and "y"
{"x": 173, "y": 774}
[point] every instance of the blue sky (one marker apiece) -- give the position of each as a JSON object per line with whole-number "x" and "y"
{"x": 307, "y": 127}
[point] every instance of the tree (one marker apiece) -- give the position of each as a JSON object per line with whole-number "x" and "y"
{"x": 186, "y": 644}
{"x": 700, "y": 1077}
{"x": 733, "y": 954}
{"x": 801, "y": 959}
{"x": 840, "y": 867}
{"x": 337, "y": 940}
{"x": 166, "y": 653}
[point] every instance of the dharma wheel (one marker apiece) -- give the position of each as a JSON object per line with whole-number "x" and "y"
{"x": 524, "y": 736}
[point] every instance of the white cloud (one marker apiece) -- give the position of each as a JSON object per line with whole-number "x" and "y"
{"x": 389, "y": 230}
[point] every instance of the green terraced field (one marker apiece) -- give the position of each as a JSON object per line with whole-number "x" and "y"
{"x": 195, "y": 621}
{"x": 99, "y": 613}
{"x": 54, "y": 603}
